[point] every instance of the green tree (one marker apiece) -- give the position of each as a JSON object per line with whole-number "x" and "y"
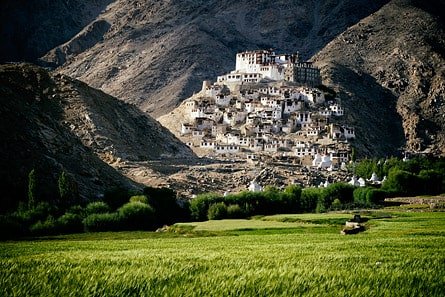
{"x": 68, "y": 189}
{"x": 166, "y": 205}
{"x": 217, "y": 211}
{"x": 353, "y": 155}
{"x": 340, "y": 191}
{"x": 365, "y": 168}
{"x": 293, "y": 201}
{"x": 32, "y": 189}
{"x": 402, "y": 182}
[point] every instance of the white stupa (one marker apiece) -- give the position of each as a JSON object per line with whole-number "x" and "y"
{"x": 362, "y": 182}
{"x": 255, "y": 187}
{"x": 374, "y": 178}
{"x": 325, "y": 162}
{"x": 354, "y": 181}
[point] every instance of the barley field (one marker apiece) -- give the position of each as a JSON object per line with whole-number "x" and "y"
{"x": 399, "y": 254}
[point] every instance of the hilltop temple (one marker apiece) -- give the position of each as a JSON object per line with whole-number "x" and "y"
{"x": 264, "y": 65}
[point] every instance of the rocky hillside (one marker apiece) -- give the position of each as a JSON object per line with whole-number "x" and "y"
{"x": 156, "y": 53}
{"x": 390, "y": 70}
{"x": 53, "y": 123}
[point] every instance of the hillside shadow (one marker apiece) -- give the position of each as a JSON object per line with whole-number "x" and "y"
{"x": 29, "y": 29}
{"x": 371, "y": 108}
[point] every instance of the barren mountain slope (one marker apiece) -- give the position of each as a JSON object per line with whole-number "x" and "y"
{"x": 156, "y": 53}
{"x": 28, "y": 29}
{"x": 54, "y": 123}
{"x": 390, "y": 69}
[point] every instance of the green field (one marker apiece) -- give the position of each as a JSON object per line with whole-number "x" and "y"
{"x": 400, "y": 254}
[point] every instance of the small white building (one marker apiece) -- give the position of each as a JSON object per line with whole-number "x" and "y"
{"x": 256, "y": 144}
{"x": 191, "y": 104}
{"x": 271, "y": 147}
{"x": 303, "y": 117}
{"x": 290, "y": 106}
{"x": 226, "y": 149}
{"x": 223, "y": 100}
{"x": 313, "y": 96}
{"x": 306, "y": 151}
{"x": 348, "y": 132}
{"x": 337, "y": 110}
{"x": 198, "y": 133}
{"x": 252, "y": 158}
{"x": 199, "y": 112}
{"x": 208, "y": 144}
{"x": 187, "y": 128}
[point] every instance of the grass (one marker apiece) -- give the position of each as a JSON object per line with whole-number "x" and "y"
{"x": 400, "y": 254}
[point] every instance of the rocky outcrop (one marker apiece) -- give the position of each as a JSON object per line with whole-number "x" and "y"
{"x": 390, "y": 70}
{"x": 157, "y": 53}
{"x": 53, "y": 123}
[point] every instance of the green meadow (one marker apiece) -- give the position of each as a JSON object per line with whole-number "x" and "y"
{"x": 399, "y": 254}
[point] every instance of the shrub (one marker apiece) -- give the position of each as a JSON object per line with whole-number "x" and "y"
{"x": 340, "y": 191}
{"x": 367, "y": 197}
{"x": 139, "y": 198}
{"x": 234, "y": 211}
{"x": 97, "y": 207}
{"x": 217, "y": 211}
{"x": 69, "y": 223}
{"x": 137, "y": 216}
{"x": 101, "y": 222}
{"x": 376, "y": 196}
{"x": 47, "y": 227}
{"x": 30, "y": 216}
{"x": 360, "y": 196}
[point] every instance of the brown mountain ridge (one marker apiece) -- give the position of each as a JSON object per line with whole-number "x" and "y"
{"x": 390, "y": 70}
